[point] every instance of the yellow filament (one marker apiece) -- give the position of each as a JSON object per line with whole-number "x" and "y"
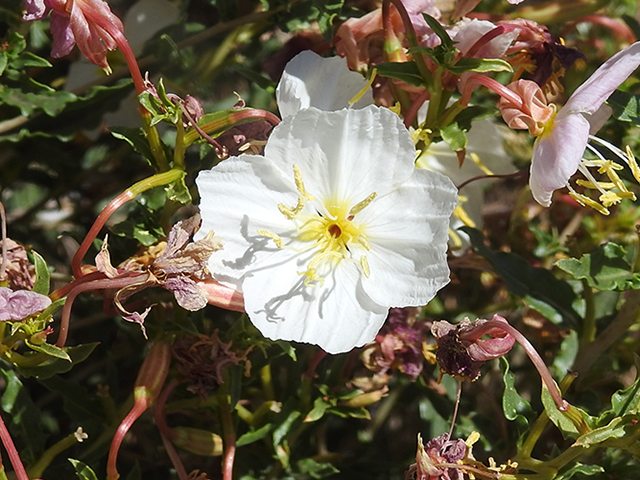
{"x": 361, "y": 93}
{"x": 586, "y": 201}
{"x": 481, "y": 166}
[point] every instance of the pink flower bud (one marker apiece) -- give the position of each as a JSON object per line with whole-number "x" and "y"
{"x": 534, "y": 114}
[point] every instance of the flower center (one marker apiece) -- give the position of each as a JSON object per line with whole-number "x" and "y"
{"x": 331, "y": 230}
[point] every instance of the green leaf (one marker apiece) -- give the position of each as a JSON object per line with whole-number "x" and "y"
{"x": 625, "y": 106}
{"x": 51, "y": 102}
{"x": 405, "y": 71}
{"x": 53, "y": 366}
{"x": 51, "y": 350}
{"x": 608, "y": 267}
{"x": 454, "y": 136}
{"x": 624, "y": 401}
{"x": 514, "y": 406}
{"x": 24, "y": 417}
{"x": 315, "y": 469}
{"x": 136, "y": 138}
{"x": 559, "y": 419}
{"x": 83, "y": 471}
{"x": 580, "y": 468}
{"x": 319, "y": 409}
{"x": 438, "y": 29}
{"x": 178, "y": 191}
{"x": 481, "y": 65}
{"x": 28, "y": 59}
{"x": 41, "y": 284}
{"x": 530, "y": 282}
{"x": 254, "y": 436}
{"x": 78, "y": 402}
{"x": 618, "y": 428}
{"x": 281, "y": 431}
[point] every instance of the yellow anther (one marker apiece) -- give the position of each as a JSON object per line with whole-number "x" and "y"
{"x": 358, "y": 207}
{"x": 610, "y": 198}
{"x": 361, "y": 93}
{"x": 312, "y": 276}
{"x": 481, "y": 166}
{"x": 273, "y": 236}
{"x": 635, "y": 170}
{"x": 586, "y": 201}
{"x": 299, "y": 184}
{"x": 364, "y": 263}
{"x": 291, "y": 213}
{"x": 473, "y": 438}
{"x": 364, "y": 242}
{"x": 590, "y": 184}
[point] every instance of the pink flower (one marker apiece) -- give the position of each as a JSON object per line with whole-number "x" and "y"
{"x": 558, "y": 151}
{"x": 20, "y": 304}
{"x": 88, "y": 23}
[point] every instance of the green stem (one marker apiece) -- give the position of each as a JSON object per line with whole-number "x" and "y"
{"x": 589, "y": 328}
{"x": 36, "y": 470}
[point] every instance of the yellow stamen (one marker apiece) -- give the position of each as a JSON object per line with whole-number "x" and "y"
{"x": 586, "y": 201}
{"x": 364, "y": 263}
{"x": 273, "y": 236}
{"x": 481, "y": 166}
{"x": 361, "y": 93}
{"x": 635, "y": 170}
{"x": 358, "y": 207}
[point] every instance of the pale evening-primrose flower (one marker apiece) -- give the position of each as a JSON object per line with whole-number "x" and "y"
{"x": 558, "y": 151}
{"x": 330, "y": 228}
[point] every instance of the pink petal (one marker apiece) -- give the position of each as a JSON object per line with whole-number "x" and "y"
{"x": 594, "y": 92}
{"x": 556, "y": 156}
{"x": 63, "y": 38}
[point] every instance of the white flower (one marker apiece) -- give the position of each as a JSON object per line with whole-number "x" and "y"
{"x": 310, "y": 80}
{"x": 331, "y": 228}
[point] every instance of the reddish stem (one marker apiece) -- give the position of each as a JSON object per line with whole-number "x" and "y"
{"x": 115, "y": 204}
{"x": 85, "y": 285}
{"x": 14, "y": 457}
{"x": 5, "y": 258}
{"x": 487, "y": 37}
{"x": 166, "y": 433}
{"x": 140, "y": 405}
{"x": 494, "y": 85}
{"x": 412, "y": 112}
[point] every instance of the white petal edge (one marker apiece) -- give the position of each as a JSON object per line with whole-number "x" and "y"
{"x": 310, "y": 80}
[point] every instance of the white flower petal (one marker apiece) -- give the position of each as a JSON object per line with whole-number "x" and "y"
{"x": 238, "y": 197}
{"x": 556, "y": 156}
{"x": 336, "y": 316}
{"x": 310, "y": 80}
{"x": 347, "y": 154}
{"x": 408, "y": 231}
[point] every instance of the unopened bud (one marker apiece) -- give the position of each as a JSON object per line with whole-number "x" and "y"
{"x": 365, "y": 399}
{"x": 153, "y": 372}
{"x": 200, "y": 442}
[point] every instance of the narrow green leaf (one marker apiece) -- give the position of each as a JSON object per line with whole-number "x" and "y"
{"x": 57, "y": 365}
{"x": 405, "y": 71}
{"x": 83, "y": 471}
{"x": 481, "y": 65}
{"x": 254, "y": 436}
{"x": 49, "y": 349}
{"x": 41, "y": 284}
{"x": 514, "y": 406}
{"x": 438, "y": 29}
